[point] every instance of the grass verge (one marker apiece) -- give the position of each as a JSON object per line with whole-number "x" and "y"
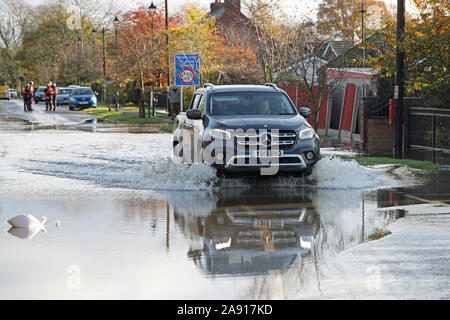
{"x": 167, "y": 128}
{"x": 119, "y": 116}
{"x": 416, "y": 164}
{"x": 378, "y": 234}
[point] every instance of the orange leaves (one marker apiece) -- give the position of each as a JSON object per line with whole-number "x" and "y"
{"x": 141, "y": 45}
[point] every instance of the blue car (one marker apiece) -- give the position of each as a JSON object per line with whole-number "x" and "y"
{"x": 63, "y": 96}
{"x": 82, "y": 97}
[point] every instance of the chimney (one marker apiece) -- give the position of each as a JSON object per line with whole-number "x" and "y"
{"x": 216, "y": 5}
{"x": 233, "y": 5}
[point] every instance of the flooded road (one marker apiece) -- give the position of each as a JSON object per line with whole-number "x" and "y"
{"x": 124, "y": 222}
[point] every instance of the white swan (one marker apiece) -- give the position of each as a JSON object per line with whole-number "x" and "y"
{"x": 27, "y": 221}
{"x": 25, "y": 233}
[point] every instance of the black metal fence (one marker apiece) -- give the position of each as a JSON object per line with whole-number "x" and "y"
{"x": 428, "y": 128}
{"x": 380, "y": 110}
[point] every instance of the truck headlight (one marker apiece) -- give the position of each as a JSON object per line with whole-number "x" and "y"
{"x": 219, "y": 134}
{"x": 306, "y": 133}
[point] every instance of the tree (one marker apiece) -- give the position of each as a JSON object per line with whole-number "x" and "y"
{"x": 13, "y": 20}
{"x": 425, "y": 44}
{"x": 290, "y": 51}
{"x": 221, "y": 62}
{"x": 310, "y": 71}
{"x": 51, "y": 51}
{"x": 342, "y": 18}
{"x": 141, "y": 48}
{"x": 270, "y": 27}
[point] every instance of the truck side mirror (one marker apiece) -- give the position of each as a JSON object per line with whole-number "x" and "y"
{"x": 193, "y": 114}
{"x": 305, "y": 112}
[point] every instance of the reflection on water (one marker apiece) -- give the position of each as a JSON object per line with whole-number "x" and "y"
{"x": 440, "y": 157}
{"x": 133, "y": 235}
{"x": 263, "y": 242}
{"x": 25, "y": 233}
{"x": 253, "y": 241}
{"x": 251, "y": 232}
{"x": 89, "y": 125}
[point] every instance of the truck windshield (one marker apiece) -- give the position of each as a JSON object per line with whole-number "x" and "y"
{"x": 250, "y": 103}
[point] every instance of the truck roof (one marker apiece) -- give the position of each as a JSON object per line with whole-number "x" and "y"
{"x": 234, "y": 88}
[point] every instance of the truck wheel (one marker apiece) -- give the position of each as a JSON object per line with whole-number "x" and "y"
{"x": 307, "y": 172}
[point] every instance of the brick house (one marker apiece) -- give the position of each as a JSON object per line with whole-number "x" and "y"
{"x": 232, "y": 23}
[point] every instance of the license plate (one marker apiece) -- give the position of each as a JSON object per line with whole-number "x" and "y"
{"x": 83, "y": 103}
{"x": 267, "y": 153}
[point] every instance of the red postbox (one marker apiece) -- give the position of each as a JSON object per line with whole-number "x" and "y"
{"x": 391, "y": 110}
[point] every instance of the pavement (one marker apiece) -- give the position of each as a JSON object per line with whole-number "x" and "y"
{"x": 14, "y": 109}
{"x": 62, "y": 115}
{"x": 413, "y": 262}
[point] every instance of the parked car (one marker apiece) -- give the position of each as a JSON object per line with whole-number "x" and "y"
{"x": 4, "y": 92}
{"x": 82, "y": 97}
{"x": 39, "y": 94}
{"x": 12, "y": 93}
{"x": 63, "y": 96}
{"x": 246, "y": 128}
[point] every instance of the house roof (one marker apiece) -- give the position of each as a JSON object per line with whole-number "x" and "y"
{"x": 341, "y": 46}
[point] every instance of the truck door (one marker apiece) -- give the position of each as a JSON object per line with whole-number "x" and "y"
{"x": 196, "y": 131}
{"x": 188, "y": 132}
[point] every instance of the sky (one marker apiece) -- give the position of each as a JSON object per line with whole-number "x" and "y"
{"x": 176, "y": 5}
{"x": 298, "y": 8}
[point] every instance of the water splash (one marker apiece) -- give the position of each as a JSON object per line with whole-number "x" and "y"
{"x": 142, "y": 162}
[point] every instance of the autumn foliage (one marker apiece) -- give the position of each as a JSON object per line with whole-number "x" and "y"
{"x": 427, "y": 59}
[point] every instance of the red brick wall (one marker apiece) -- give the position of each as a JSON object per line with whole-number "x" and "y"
{"x": 377, "y": 135}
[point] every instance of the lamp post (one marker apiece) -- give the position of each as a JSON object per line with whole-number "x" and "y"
{"x": 79, "y": 60}
{"x": 399, "y": 81}
{"x": 116, "y": 26}
{"x": 21, "y": 84}
{"x": 152, "y": 9}
{"x": 104, "y": 67}
{"x": 167, "y": 56}
{"x": 94, "y": 34}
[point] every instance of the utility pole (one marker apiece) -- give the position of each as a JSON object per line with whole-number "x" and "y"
{"x": 363, "y": 42}
{"x": 399, "y": 78}
{"x": 362, "y": 33}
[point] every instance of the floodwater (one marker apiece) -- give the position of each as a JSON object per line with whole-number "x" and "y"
{"x": 124, "y": 222}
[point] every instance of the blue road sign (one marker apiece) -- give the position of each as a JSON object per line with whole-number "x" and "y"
{"x": 187, "y": 69}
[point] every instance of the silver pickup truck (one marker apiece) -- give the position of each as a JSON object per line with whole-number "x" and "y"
{"x": 246, "y": 128}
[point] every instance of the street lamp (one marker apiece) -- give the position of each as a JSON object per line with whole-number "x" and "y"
{"x": 152, "y": 9}
{"x": 116, "y": 26}
{"x": 21, "y": 84}
{"x": 167, "y": 54}
{"x": 79, "y": 59}
{"x": 94, "y": 34}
